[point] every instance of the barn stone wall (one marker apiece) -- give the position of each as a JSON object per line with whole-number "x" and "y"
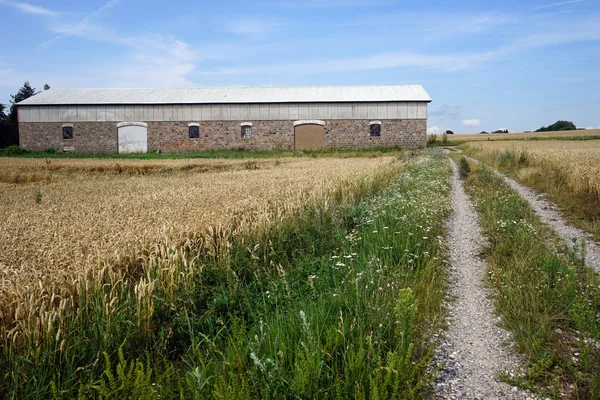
{"x": 172, "y": 137}
{"x": 88, "y": 137}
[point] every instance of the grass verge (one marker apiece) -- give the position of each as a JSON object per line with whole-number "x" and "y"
{"x": 548, "y": 299}
{"x": 15, "y": 151}
{"x": 337, "y": 301}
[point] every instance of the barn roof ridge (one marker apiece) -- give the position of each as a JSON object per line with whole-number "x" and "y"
{"x": 229, "y": 94}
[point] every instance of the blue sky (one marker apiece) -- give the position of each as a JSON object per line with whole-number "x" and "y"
{"x": 487, "y": 65}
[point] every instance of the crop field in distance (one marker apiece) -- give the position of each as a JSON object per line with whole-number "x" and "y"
{"x": 524, "y": 136}
{"x": 567, "y": 170}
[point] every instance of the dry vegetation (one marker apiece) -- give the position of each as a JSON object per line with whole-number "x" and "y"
{"x": 524, "y": 136}
{"x": 88, "y": 216}
{"x": 568, "y": 171}
{"x": 24, "y": 170}
{"x": 577, "y": 161}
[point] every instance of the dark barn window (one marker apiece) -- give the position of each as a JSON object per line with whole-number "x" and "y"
{"x": 246, "y": 131}
{"x": 375, "y": 129}
{"x": 67, "y": 132}
{"x": 194, "y": 132}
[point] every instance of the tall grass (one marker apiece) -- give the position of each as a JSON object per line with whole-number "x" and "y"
{"x": 15, "y": 151}
{"x": 56, "y": 235}
{"x": 338, "y": 300}
{"x": 567, "y": 171}
{"x": 547, "y": 298}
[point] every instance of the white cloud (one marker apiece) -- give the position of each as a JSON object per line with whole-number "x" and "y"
{"x": 470, "y": 122}
{"x": 449, "y": 111}
{"x": 7, "y": 76}
{"x": 434, "y": 130}
{"x": 29, "y": 8}
{"x": 561, "y": 3}
{"x": 158, "y": 61}
{"x": 251, "y": 27}
{"x": 441, "y": 26}
{"x": 450, "y": 62}
{"x": 579, "y": 31}
{"x": 332, "y": 3}
{"x": 82, "y": 28}
{"x": 150, "y": 60}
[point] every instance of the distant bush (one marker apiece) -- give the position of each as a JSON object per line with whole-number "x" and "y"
{"x": 449, "y": 132}
{"x": 483, "y": 132}
{"x": 558, "y": 126}
{"x": 501, "y": 131}
{"x": 13, "y": 151}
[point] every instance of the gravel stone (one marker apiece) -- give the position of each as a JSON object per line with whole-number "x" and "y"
{"x": 546, "y": 210}
{"x": 472, "y": 350}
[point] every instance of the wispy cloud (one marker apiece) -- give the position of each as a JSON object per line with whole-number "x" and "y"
{"x": 558, "y": 4}
{"x": 379, "y": 61}
{"x": 30, "y": 8}
{"x": 581, "y": 30}
{"x": 332, "y": 3}
{"x": 150, "y": 60}
{"x": 446, "y": 110}
{"x": 470, "y": 122}
{"x": 8, "y": 76}
{"x": 437, "y": 26}
{"x": 82, "y": 28}
{"x": 252, "y": 26}
{"x": 434, "y": 130}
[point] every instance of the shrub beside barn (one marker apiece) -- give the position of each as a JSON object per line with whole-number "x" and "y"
{"x": 252, "y": 118}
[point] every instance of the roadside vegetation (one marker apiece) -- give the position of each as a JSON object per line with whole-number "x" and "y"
{"x": 546, "y": 296}
{"x": 88, "y": 219}
{"x": 568, "y": 172}
{"x": 338, "y": 299}
{"x": 16, "y": 151}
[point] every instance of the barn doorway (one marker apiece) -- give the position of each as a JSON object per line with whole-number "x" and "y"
{"x": 132, "y": 137}
{"x": 309, "y": 135}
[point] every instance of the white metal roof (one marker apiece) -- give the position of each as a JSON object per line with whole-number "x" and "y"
{"x": 220, "y": 95}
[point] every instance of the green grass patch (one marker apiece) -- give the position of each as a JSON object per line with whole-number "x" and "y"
{"x": 15, "y": 151}
{"x": 338, "y": 301}
{"x": 547, "y": 298}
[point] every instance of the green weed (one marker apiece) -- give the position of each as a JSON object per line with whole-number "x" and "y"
{"x": 337, "y": 301}
{"x": 548, "y": 299}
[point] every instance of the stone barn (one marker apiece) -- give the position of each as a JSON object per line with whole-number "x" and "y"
{"x": 248, "y": 118}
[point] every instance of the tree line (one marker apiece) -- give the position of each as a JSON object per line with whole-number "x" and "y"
{"x": 9, "y": 126}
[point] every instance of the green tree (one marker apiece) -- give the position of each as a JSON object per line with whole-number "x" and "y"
{"x": 558, "y": 126}
{"x": 5, "y": 128}
{"x": 3, "y": 115}
{"x": 24, "y": 93}
{"x": 9, "y": 127}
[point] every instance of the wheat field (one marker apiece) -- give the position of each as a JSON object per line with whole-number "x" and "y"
{"x": 577, "y": 161}
{"x": 65, "y": 221}
{"x": 523, "y": 136}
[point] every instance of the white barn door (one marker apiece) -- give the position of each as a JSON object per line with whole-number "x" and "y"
{"x": 132, "y": 137}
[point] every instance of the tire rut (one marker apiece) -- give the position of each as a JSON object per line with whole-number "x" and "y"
{"x": 546, "y": 210}
{"x": 472, "y": 349}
